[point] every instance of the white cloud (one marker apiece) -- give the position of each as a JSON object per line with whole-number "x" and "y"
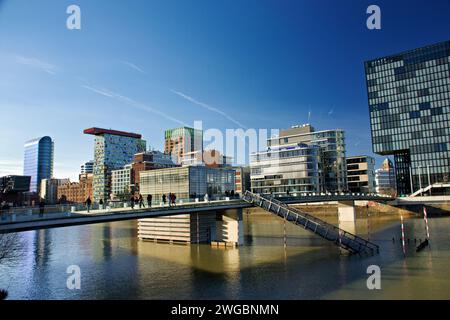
{"x": 133, "y": 103}
{"x": 208, "y": 107}
{"x": 36, "y": 63}
{"x": 133, "y": 66}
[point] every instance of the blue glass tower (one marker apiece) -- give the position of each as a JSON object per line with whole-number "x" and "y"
{"x": 38, "y": 161}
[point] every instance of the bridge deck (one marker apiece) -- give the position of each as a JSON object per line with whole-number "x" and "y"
{"x": 63, "y": 219}
{"x": 24, "y": 219}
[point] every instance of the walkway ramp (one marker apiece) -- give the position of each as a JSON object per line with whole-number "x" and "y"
{"x": 341, "y": 238}
{"x": 420, "y": 192}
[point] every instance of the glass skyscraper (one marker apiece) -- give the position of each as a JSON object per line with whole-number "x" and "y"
{"x": 38, "y": 161}
{"x": 409, "y": 105}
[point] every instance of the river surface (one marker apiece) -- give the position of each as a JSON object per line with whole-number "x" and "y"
{"x": 114, "y": 264}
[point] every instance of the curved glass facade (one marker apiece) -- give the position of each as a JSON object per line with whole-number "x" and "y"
{"x": 38, "y": 161}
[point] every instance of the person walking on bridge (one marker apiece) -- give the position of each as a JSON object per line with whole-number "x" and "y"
{"x": 149, "y": 200}
{"x": 132, "y": 202}
{"x": 174, "y": 199}
{"x": 170, "y": 199}
{"x": 88, "y": 204}
{"x": 141, "y": 201}
{"x": 164, "y": 200}
{"x": 41, "y": 207}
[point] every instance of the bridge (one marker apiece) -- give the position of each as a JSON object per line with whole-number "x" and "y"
{"x": 25, "y": 219}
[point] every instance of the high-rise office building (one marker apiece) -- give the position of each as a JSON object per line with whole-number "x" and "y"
{"x": 332, "y": 170}
{"x": 409, "y": 104}
{"x": 361, "y": 174}
{"x": 87, "y": 167}
{"x": 179, "y": 141}
{"x": 38, "y": 161}
{"x": 113, "y": 150}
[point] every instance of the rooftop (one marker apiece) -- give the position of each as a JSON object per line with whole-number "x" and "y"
{"x": 99, "y": 131}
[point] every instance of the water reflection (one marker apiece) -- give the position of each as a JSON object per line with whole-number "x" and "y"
{"x": 115, "y": 265}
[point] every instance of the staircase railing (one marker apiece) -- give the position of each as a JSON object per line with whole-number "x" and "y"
{"x": 340, "y": 237}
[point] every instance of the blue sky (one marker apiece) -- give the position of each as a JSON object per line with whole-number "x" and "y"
{"x": 134, "y": 65}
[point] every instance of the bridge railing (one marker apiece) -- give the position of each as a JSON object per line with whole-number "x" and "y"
{"x": 27, "y": 214}
{"x": 331, "y": 229}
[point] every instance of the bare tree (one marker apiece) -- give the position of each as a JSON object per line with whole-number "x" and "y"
{"x": 10, "y": 245}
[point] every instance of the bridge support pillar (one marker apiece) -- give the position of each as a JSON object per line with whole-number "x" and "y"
{"x": 346, "y": 211}
{"x": 347, "y": 216}
{"x": 229, "y": 227}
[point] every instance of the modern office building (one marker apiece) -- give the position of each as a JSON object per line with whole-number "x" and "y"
{"x": 38, "y": 161}
{"x": 285, "y": 169}
{"x": 301, "y": 159}
{"x": 385, "y": 178}
{"x": 126, "y": 181}
{"x": 113, "y": 150}
{"x": 49, "y": 189}
{"x": 361, "y": 174}
{"x": 180, "y": 141}
{"x": 408, "y": 95}
{"x": 87, "y": 167}
{"x": 121, "y": 183}
{"x": 187, "y": 182}
{"x": 77, "y": 192}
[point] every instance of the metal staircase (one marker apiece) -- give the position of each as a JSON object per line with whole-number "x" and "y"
{"x": 341, "y": 238}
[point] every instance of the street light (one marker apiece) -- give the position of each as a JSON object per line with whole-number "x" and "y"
{"x": 420, "y": 180}
{"x": 410, "y": 180}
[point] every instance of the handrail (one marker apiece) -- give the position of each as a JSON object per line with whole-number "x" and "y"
{"x": 251, "y": 197}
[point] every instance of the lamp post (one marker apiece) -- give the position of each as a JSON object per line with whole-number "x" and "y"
{"x": 410, "y": 180}
{"x": 420, "y": 180}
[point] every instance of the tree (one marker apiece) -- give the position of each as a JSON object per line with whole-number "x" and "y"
{"x": 10, "y": 245}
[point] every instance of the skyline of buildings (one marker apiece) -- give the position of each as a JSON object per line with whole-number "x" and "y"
{"x": 408, "y": 96}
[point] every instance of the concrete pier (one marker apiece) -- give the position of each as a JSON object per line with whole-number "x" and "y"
{"x": 346, "y": 211}
{"x": 223, "y": 226}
